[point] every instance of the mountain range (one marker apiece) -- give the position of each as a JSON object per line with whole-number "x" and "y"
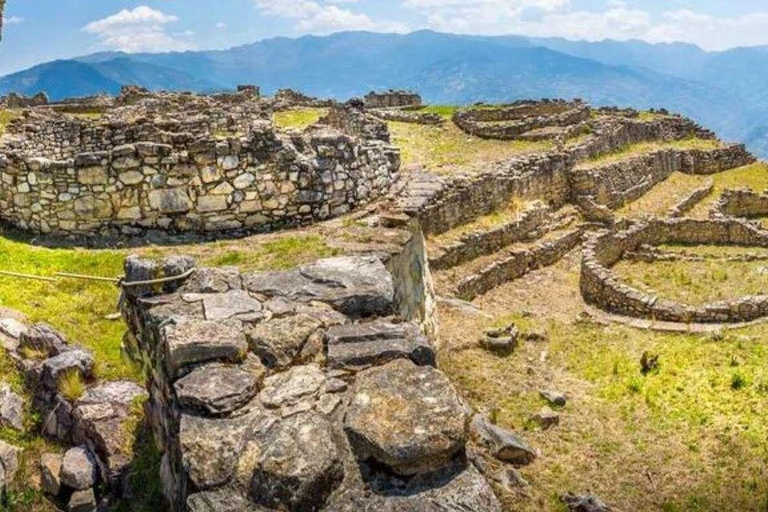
{"x": 726, "y": 91}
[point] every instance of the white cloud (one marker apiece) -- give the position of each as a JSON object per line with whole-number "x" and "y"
{"x": 323, "y": 16}
{"x": 13, "y": 20}
{"x": 221, "y": 25}
{"x": 138, "y": 30}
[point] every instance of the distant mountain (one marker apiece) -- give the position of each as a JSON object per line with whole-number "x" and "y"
{"x": 726, "y": 91}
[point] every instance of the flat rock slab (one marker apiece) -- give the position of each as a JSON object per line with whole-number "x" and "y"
{"x": 232, "y": 304}
{"x": 300, "y": 383}
{"x": 11, "y": 408}
{"x": 190, "y": 341}
{"x": 300, "y": 465}
{"x": 280, "y": 341}
{"x": 357, "y": 286}
{"x": 78, "y": 469}
{"x": 503, "y": 444}
{"x": 217, "y": 390}
{"x": 407, "y": 417}
{"x": 376, "y": 343}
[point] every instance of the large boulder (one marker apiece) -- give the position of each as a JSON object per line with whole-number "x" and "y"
{"x": 300, "y": 465}
{"x": 216, "y": 390}
{"x": 188, "y": 341}
{"x": 358, "y": 286}
{"x": 362, "y": 345}
{"x": 407, "y": 417}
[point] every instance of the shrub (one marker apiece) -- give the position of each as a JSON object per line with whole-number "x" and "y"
{"x": 72, "y": 385}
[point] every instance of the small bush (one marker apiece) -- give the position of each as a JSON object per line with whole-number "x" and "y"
{"x": 738, "y": 381}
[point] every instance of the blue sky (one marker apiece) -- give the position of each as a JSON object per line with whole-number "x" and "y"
{"x": 42, "y": 30}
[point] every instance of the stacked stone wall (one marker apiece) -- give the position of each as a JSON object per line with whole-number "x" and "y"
{"x": 392, "y": 99}
{"x": 741, "y": 203}
{"x": 259, "y": 181}
{"x": 599, "y": 285}
{"x": 406, "y": 116}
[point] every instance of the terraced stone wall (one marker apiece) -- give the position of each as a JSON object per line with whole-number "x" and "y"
{"x": 599, "y": 286}
{"x": 442, "y": 203}
{"x": 133, "y": 177}
{"x": 741, "y": 203}
{"x": 511, "y": 122}
{"x": 617, "y": 183}
{"x": 392, "y": 99}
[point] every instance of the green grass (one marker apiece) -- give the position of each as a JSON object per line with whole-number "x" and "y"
{"x": 644, "y": 148}
{"x": 298, "y": 118}
{"x": 6, "y": 116}
{"x": 753, "y": 176}
{"x": 445, "y": 111}
{"x": 446, "y": 149}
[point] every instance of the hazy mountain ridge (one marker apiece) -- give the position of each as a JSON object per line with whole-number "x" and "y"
{"x": 726, "y": 91}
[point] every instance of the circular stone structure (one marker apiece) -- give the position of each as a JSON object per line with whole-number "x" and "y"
{"x": 604, "y": 289}
{"x": 525, "y": 120}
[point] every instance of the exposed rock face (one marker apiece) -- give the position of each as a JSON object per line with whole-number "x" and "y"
{"x": 407, "y": 417}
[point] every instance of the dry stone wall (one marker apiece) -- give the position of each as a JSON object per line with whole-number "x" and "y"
{"x": 392, "y": 99}
{"x": 127, "y": 177}
{"x": 741, "y": 203}
{"x": 270, "y": 390}
{"x": 601, "y": 287}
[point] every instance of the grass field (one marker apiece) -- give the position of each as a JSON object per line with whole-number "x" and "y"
{"x": 298, "y": 118}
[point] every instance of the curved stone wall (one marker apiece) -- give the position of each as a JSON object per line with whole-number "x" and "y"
{"x": 514, "y": 121}
{"x": 128, "y": 177}
{"x": 601, "y": 287}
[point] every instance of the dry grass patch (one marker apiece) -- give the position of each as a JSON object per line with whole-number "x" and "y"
{"x": 505, "y": 215}
{"x": 446, "y": 149}
{"x": 663, "y": 196}
{"x": 298, "y": 118}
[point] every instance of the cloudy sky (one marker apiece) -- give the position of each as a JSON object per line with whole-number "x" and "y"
{"x": 42, "y": 30}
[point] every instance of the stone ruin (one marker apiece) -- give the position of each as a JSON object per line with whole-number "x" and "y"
{"x": 526, "y": 120}
{"x": 13, "y": 100}
{"x": 392, "y": 99}
{"x": 187, "y": 163}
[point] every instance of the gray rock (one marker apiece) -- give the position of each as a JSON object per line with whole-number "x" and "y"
{"x": 376, "y": 343}
{"x": 300, "y": 465}
{"x": 357, "y": 286}
{"x": 232, "y": 304}
{"x": 502, "y": 340}
{"x": 9, "y": 463}
{"x": 50, "y": 473}
{"x": 213, "y": 280}
{"x": 211, "y": 446}
{"x": 280, "y": 341}
{"x": 216, "y": 390}
{"x": 82, "y": 501}
{"x": 75, "y": 360}
{"x": 78, "y": 469}
{"x": 407, "y": 417}
{"x": 585, "y": 503}
{"x": 510, "y": 478}
{"x": 554, "y": 397}
{"x": 224, "y": 500}
{"x": 43, "y": 338}
{"x": 11, "y": 408}
{"x": 11, "y": 330}
{"x": 503, "y": 444}
{"x": 190, "y": 341}
{"x": 546, "y": 418}
{"x": 300, "y": 383}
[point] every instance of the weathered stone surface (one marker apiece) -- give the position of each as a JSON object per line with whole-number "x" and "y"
{"x": 9, "y": 463}
{"x": 554, "y": 397}
{"x": 357, "y": 286}
{"x": 78, "y": 469}
{"x": 585, "y": 503}
{"x": 211, "y": 446}
{"x": 457, "y": 488}
{"x": 216, "y": 390}
{"x": 82, "y": 501}
{"x": 221, "y": 501}
{"x": 170, "y": 201}
{"x": 11, "y": 408}
{"x": 280, "y": 341}
{"x": 213, "y": 280}
{"x": 406, "y": 416}
{"x": 300, "y": 465}
{"x": 546, "y": 418}
{"x": 44, "y": 338}
{"x": 11, "y": 330}
{"x": 502, "y": 340}
{"x": 196, "y": 341}
{"x": 503, "y": 444}
{"x": 50, "y": 473}
{"x": 233, "y": 304}
{"x": 376, "y": 343}
{"x": 298, "y": 384}
{"x": 75, "y": 360}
